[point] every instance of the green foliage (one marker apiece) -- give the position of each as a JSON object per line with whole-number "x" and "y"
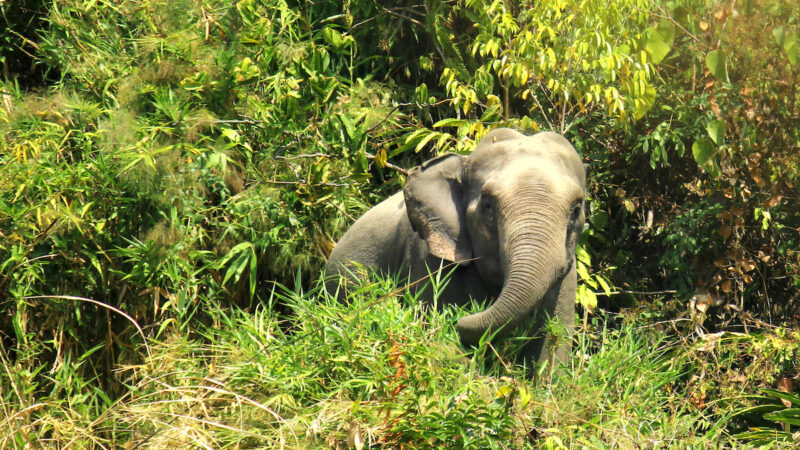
{"x": 771, "y": 415}
{"x": 163, "y": 161}
{"x": 190, "y": 151}
{"x": 773, "y": 409}
{"x": 715, "y": 100}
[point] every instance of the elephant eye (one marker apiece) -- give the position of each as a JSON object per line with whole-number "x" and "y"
{"x": 576, "y": 212}
{"x": 486, "y": 211}
{"x": 486, "y": 205}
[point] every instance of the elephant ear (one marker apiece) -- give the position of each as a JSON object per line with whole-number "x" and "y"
{"x": 434, "y": 202}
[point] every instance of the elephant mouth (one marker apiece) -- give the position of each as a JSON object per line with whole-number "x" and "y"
{"x": 491, "y": 270}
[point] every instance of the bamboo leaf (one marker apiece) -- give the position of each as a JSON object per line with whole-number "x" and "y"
{"x": 425, "y": 141}
{"x": 449, "y": 122}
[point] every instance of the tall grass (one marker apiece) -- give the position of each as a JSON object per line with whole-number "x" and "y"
{"x": 380, "y": 370}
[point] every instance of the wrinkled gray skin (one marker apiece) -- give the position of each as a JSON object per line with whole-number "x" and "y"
{"x": 512, "y": 212}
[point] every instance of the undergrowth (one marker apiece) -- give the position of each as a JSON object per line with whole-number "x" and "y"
{"x": 385, "y": 370}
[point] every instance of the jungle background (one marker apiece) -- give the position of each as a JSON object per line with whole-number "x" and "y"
{"x": 173, "y": 173}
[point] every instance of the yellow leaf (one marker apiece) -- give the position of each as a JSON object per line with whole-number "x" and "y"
{"x": 380, "y": 158}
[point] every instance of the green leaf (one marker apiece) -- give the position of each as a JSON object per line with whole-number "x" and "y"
{"x": 757, "y": 410}
{"x": 422, "y": 143}
{"x": 716, "y": 131}
{"x": 524, "y": 396}
{"x": 780, "y": 35}
{"x": 350, "y": 123}
{"x": 658, "y": 42}
{"x": 583, "y": 274}
{"x": 361, "y": 163}
{"x": 582, "y": 255}
{"x": 646, "y": 102}
{"x": 253, "y": 271}
{"x": 715, "y": 61}
{"x": 246, "y": 254}
{"x": 504, "y": 391}
{"x": 246, "y": 70}
{"x": 792, "y": 48}
{"x": 703, "y": 149}
{"x": 586, "y": 297}
{"x": 789, "y": 416}
{"x": 449, "y": 122}
{"x": 791, "y": 398}
{"x": 442, "y": 142}
{"x": 604, "y": 283}
{"x": 380, "y": 158}
{"x": 444, "y": 36}
{"x": 599, "y": 219}
{"x": 333, "y": 37}
{"x": 421, "y": 93}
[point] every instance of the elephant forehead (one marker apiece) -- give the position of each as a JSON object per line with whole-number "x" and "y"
{"x": 549, "y": 175}
{"x": 544, "y": 146}
{"x": 546, "y": 141}
{"x": 546, "y": 159}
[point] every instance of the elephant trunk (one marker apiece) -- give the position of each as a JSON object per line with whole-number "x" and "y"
{"x": 534, "y": 235}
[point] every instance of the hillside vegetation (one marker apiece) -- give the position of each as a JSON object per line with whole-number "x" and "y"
{"x": 173, "y": 174}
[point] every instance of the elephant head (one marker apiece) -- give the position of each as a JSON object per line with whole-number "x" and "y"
{"x": 514, "y": 208}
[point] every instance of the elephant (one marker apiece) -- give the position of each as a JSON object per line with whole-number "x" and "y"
{"x": 509, "y": 216}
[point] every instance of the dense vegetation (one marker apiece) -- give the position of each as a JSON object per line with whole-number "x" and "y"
{"x": 173, "y": 174}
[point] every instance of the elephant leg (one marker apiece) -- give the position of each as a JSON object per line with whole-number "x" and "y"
{"x": 554, "y": 347}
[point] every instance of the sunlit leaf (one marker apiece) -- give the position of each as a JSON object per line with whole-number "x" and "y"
{"x": 586, "y": 297}
{"x": 716, "y": 131}
{"x": 658, "y": 42}
{"x": 793, "y": 399}
{"x": 646, "y": 102}
{"x": 789, "y": 416}
{"x": 716, "y": 62}
{"x": 333, "y": 37}
{"x": 792, "y": 48}
{"x": 703, "y": 151}
{"x": 449, "y": 122}
{"x": 380, "y": 158}
{"x": 424, "y": 141}
{"x": 779, "y": 33}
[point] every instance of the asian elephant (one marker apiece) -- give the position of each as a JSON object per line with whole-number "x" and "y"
{"x": 510, "y": 215}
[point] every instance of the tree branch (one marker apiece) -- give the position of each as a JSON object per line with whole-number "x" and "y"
{"x": 388, "y": 164}
{"x": 394, "y": 12}
{"x": 668, "y": 291}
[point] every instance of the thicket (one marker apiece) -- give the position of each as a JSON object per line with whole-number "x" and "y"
{"x": 162, "y": 161}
